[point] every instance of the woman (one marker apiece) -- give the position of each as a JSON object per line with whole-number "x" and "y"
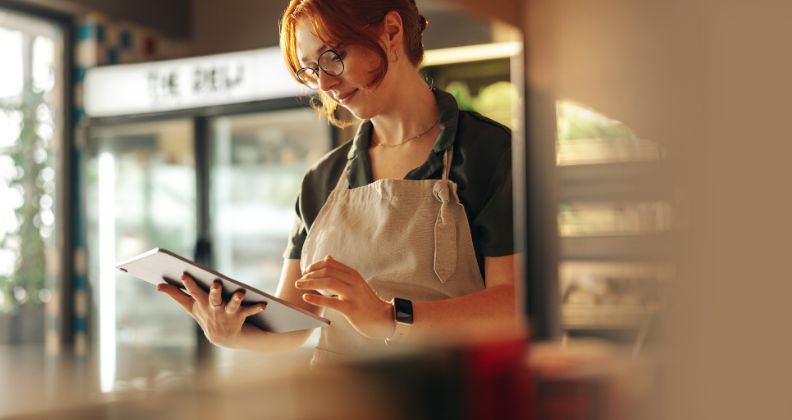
{"x": 393, "y": 227}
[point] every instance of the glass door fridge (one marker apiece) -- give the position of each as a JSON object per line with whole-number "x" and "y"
{"x": 140, "y": 194}
{"x": 203, "y": 156}
{"x": 218, "y": 188}
{"x": 257, "y": 164}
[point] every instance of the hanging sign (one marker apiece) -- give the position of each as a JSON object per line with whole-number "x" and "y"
{"x": 189, "y": 83}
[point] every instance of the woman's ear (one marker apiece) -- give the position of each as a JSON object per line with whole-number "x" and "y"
{"x": 392, "y": 30}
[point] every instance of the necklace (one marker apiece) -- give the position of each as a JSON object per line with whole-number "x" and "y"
{"x": 409, "y": 139}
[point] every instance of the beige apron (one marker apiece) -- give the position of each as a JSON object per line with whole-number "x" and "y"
{"x": 407, "y": 238}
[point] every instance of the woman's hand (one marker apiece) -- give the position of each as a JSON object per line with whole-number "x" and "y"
{"x": 221, "y": 322}
{"x": 368, "y": 314}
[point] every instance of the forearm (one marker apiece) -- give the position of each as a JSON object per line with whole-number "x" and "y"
{"x": 255, "y": 339}
{"x": 490, "y": 310}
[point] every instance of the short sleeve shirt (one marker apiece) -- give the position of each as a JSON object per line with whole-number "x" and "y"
{"x": 481, "y": 168}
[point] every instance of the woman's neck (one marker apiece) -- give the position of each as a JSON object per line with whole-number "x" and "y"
{"x": 412, "y": 110}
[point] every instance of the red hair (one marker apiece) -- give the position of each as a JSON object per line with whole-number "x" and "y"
{"x": 350, "y": 22}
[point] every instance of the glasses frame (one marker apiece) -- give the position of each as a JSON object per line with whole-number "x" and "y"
{"x": 318, "y": 67}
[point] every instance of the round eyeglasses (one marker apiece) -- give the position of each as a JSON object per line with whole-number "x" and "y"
{"x": 330, "y": 62}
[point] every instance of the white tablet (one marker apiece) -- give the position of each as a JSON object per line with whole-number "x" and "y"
{"x": 162, "y": 266}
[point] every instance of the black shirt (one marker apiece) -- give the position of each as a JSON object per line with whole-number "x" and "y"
{"x": 481, "y": 168}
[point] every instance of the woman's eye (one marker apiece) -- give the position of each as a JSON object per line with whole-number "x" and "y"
{"x": 339, "y": 56}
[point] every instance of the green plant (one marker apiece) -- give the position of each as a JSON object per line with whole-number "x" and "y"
{"x": 30, "y": 154}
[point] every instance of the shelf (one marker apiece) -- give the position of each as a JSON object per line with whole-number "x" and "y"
{"x": 629, "y": 181}
{"x": 471, "y": 53}
{"x": 598, "y": 317}
{"x": 645, "y": 247}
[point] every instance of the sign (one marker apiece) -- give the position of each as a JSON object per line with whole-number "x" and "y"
{"x": 189, "y": 83}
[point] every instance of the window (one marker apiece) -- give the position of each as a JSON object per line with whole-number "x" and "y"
{"x": 31, "y": 127}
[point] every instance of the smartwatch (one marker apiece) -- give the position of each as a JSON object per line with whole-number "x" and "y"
{"x": 403, "y": 314}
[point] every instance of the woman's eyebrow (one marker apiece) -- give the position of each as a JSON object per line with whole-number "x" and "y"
{"x": 320, "y": 50}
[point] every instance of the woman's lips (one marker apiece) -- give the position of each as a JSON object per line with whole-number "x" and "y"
{"x": 344, "y": 98}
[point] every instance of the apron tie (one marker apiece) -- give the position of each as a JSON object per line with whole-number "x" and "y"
{"x": 445, "y": 235}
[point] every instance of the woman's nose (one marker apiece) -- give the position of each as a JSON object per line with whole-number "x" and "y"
{"x": 326, "y": 81}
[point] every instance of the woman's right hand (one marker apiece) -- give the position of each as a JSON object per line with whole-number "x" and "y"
{"x": 220, "y": 321}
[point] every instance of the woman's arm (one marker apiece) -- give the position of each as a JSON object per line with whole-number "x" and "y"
{"x": 490, "y": 310}
{"x": 224, "y": 325}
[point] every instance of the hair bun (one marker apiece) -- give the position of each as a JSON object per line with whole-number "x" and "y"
{"x": 422, "y": 22}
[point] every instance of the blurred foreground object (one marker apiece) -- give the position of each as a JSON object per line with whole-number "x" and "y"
{"x": 494, "y": 379}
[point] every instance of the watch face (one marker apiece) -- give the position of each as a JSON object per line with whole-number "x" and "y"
{"x": 404, "y": 310}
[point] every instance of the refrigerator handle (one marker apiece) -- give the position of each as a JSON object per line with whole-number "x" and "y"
{"x": 203, "y": 251}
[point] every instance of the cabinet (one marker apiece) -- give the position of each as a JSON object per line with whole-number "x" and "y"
{"x": 616, "y": 225}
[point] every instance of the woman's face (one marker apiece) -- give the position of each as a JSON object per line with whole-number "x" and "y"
{"x": 349, "y": 89}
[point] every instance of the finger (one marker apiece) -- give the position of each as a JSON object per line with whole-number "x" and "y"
{"x": 247, "y": 311}
{"x": 343, "y": 276}
{"x": 339, "y": 264}
{"x": 324, "y": 301}
{"x": 327, "y": 262}
{"x": 235, "y": 302}
{"x": 195, "y": 291}
{"x": 329, "y": 284}
{"x": 215, "y": 295}
{"x": 186, "y": 301}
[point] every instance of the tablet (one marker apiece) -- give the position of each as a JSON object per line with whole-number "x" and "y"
{"x": 162, "y": 266}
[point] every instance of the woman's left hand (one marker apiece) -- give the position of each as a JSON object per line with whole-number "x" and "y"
{"x": 368, "y": 314}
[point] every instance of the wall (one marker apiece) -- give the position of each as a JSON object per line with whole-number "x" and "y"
{"x": 172, "y": 18}
{"x": 233, "y": 25}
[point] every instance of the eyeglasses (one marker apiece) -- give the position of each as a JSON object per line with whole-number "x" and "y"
{"x": 330, "y": 62}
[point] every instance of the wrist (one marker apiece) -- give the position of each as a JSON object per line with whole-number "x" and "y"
{"x": 389, "y": 315}
{"x": 237, "y": 341}
{"x": 402, "y": 319}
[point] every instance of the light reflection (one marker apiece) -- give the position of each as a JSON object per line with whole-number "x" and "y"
{"x": 46, "y": 202}
{"x": 587, "y": 137}
{"x": 10, "y": 125}
{"x": 47, "y": 217}
{"x": 48, "y": 174}
{"x": 40, "y": 155}
{"x": 43, "y": 65}
{"x": 107, "y": 257}
{"x": 8, "y": 261}
{"x": 44, "y": 295}
{"x": 11, "y": 81}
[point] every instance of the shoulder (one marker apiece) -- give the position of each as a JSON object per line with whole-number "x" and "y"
{"x": 483, "y": 134}
{"x": 319, "y": 181}
{"x": 476, "y": 121}
{"x": 483, "y": 141}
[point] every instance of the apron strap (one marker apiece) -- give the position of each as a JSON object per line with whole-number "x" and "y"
{"x": 343, "y": 180}
{"x": 447, "y": 156}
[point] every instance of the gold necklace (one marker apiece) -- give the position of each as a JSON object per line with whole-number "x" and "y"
{"x": 409, "y": 139}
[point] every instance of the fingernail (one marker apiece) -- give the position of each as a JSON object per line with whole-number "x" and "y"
{"x": 299, "y": 283}
{"x": 307, "y": 296}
